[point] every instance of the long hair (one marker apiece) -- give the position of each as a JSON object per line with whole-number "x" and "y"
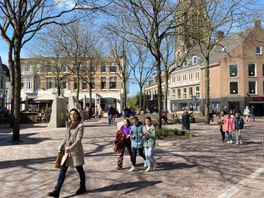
{"x": 73, "y": 125}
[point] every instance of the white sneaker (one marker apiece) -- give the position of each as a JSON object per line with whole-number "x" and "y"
{"x": 228, "y": 142}
{"x": 133, "y": 168}
{"x": 241, "y": 142}
{"x": 154, "y": 165}
{"x": 231, "y": 141}
{"x": 145, "y": 164}
{"x": 148, "y": 169}
{"x": 237, "y": 143}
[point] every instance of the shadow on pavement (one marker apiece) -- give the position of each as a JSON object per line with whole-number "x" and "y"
{"x": 25, "y": 139}
{"x": 173, "y": 165}
{"x": 127, "y": 187}
{"x": 25, "y": 162}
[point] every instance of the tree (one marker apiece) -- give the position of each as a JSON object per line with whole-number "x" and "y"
{"x": 219, "y": 18}
{"x": 142, "y": 68}
{"x": 119, "y": 48}
{"x": 147, "y": 22}
{"x": 19, "y": 23}
{"x": 168, "y": 65}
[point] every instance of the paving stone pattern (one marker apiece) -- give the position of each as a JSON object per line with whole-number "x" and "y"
{"x": 201, "y": 167}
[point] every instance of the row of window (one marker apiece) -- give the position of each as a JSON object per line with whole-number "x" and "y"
{"x": 252, "y": 70}
{"x": 84, "y": 68}
{"x": 186, "y": 77}
{"x": 252, "y": 87}
{"x": 182, "y": 93}
{"x": 50, "y": 83}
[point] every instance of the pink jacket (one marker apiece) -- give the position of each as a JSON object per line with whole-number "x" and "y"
{"x": 229, "y": 124}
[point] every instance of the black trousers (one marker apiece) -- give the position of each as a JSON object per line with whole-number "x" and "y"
{"x": 63, "y": 172}
{"x": 222, "y": 133}
{"x": 134, "y": 154}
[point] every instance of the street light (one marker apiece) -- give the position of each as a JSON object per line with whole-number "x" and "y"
{"x": 6, "y": 98}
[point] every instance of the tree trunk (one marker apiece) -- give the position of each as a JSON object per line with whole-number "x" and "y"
{"x": 125, "y": 94}
{"x": 78, "y": 89}
{"x": 12, "y": 79}
{"x": 166, "y": 89}
{"x": 91, "y": 96}
{"x": 58, "y": 86}
{"x": 158, "y": 63}
{"x": 207, "y": 91}
{"x": 140, "y": 97}
{"x": 17, "y": 89}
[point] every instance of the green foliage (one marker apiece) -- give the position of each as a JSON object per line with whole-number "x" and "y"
{"x": 133, "y": 102}
{"x": 173, "y": 133}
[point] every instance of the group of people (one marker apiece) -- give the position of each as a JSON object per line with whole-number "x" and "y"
{"x": 136, "y": 137}
{"x": 229, "y": 125}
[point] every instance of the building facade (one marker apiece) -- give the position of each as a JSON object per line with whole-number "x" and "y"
{"x": 4, "y": 85}
{"x": 236, "y": 75}
{"x": 100, "y": 78}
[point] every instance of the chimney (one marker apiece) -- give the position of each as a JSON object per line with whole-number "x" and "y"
{"x": 258, "y": 24}
{"x": 220, "y": 35}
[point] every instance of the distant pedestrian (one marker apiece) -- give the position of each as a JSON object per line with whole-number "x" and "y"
{"x": 252, "y": 113}
{"x": 239, "y": 124}
{"x": 186, "y": 120}
{"x": 73, "y": 148}
{"x": 125, "y": 132}
{"x": 229, "y": 127}
{"x": 110, "y": 114}
{"x": 127, "y": 112}
{"x": 220, "y": 122}
{"x": 149, "y": 138}
{"x": 246, "y": 113}
{"x": 136, "y": 135}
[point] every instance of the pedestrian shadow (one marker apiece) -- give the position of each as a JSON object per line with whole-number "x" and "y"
{"x": 165, "y": 166}
{"x": 128, "y": 187}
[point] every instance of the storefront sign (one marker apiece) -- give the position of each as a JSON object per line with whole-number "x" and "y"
{"x": 258, "y": 98}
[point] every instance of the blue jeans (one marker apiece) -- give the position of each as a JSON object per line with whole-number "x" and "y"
{"x": 229, "y": 136}
{"x": 149, "y": 156}
{"x": 63, "y": 172}
{"x": 110, "y": 117}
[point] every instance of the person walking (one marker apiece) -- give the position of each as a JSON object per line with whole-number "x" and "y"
{"x": 221, "y": 123}
{"x": 125, "y": 130}
{"x": 149, "y": 138}
{"x": 229, "y": 127}
{"x": 252, "y": 113}
{"x": 239, "y": 124}
{"x": 246, "y": 113}
{"x": 110, "y": 114}
{"x": 136, "y": 135}
{"x": 73, "y": 148}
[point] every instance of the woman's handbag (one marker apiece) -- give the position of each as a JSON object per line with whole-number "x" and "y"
{"x": 58, "y": 160}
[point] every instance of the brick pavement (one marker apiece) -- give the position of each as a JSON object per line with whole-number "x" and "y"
{"x": 200, "y": 167}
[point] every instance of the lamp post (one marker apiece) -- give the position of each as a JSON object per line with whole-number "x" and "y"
{"x": 6, "y": 98}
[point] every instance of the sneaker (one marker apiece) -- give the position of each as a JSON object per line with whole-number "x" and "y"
{"x": 145, "y": 164}
{"x": 228, "y": 142}
{"x": 133, "y": 168}
{"x": 117, "y": 167}
{"x": 154, "y": 165}
{"x": 54, "y": 193}
{"x": 148, "y": 169}
{"x": 231, "y": 141}
{"x": 237, "y": 143}
{"x": 81, "y": 190}
{"x": 241, "y": 142}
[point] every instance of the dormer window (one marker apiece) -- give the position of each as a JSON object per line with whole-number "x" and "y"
{"x": 194, "y": 60}
{"x": 258, "y": 50}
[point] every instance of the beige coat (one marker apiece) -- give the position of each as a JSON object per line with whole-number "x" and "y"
{"x": 73, "y": 140}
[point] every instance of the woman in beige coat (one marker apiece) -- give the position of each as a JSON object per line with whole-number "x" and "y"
{"x": 72, "y": 147}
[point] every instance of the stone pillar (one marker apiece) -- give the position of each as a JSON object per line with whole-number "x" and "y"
{"x": 58, "y": 113}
